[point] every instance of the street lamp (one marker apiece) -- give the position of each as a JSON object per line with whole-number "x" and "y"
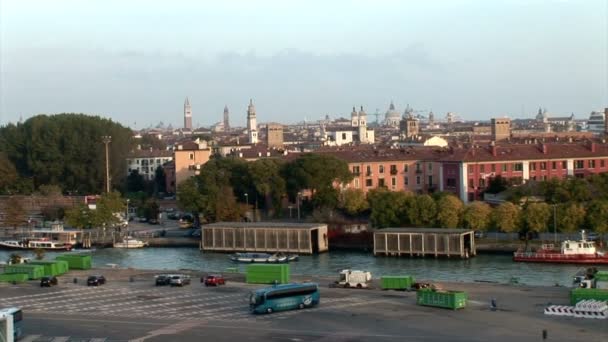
{"x": 247, "y": 205}
{"x": 555, "y": 224}
{"x": 106, "y": 139}
{"x": 298, "y": 202}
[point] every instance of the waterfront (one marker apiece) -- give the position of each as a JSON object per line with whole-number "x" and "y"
{"x": 491, "y": 268}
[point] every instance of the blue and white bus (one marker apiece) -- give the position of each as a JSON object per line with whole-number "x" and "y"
{"x": 17, "y": 315}
{"x": 284, "y": 297}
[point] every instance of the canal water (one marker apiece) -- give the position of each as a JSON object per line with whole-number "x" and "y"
{"x": 490, "y": 268}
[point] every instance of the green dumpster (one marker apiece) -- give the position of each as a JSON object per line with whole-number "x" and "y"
{"x": 442, "y": 299}
{"x": 601, "y": 276}
{"x": 396, "y": 282}
{"x": 267, "y": 274}
{"x": 51, "y": 268}
{"x": 32, "y": 271}
{"x": 77, "y": 261}
{"x": 13, "y": 277}
{"x": 578, "y": 294}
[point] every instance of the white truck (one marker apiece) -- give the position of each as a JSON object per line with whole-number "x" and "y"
{"x": 354, "y": 278}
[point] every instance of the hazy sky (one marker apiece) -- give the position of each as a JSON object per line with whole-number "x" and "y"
{"x": 136, "y": 61}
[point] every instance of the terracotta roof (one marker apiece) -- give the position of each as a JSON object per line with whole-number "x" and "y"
{"x": 150, "y": 154}
{"x": 386, "y": 154}
{"x": 525, "y": 152}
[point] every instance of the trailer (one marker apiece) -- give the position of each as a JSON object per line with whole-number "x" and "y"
{"x": 354, "y": 278}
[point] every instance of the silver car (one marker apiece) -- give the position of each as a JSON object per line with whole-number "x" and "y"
{"x": 180, "y": 280}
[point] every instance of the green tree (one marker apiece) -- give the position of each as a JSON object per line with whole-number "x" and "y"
{"x": 386, "y": 207}
{"x": 496, "y": 185}
{"x": 536, "y": 216}
{"x": 189, "y": 197}
{"x": 151, "y": 209}
{"x": 135, "y": 182}
{"x": 79, "y": 216}
{"x": 50, "y": 190}
{"x": 449, "y": 209}
{"x": 419, "y": 211}
{"x": 506, "y": 217}
{"x": 476, "y": 216}
{"x": 353, "y": 201}
{"x": 108, "y": 209}
{"x": 14, "y": 212}
{"x": 8, "y": 174}
{"x": 226, "y": 208}
{"x": 570, "y": 217}
{"x": 597, "y": 216}
{"x": 15, "y": 258}
{"x": 160, "y": 183}
{"x": 39, "y": 252}
{"x": 265, "y": 176}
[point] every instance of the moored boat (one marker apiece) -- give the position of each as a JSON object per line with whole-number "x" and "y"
{"x": 262, "y": 258}
{"x": 35, "y": 244}
{"x": 570, "y": 252}
{"x": 130, "y": 242}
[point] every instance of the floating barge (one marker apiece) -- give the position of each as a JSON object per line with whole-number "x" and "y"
{"x": 268, "y": 237}
{"x": 421, "y": 242}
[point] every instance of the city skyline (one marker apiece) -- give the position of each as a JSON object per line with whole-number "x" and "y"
{"x": 476, "y": 59}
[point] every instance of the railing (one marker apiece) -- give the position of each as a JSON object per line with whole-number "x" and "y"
{"x": 556, "y": 256}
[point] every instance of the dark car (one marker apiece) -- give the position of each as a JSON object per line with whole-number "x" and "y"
{"x": 48, "y": 281}
{"x": 479, "y": 234}
{"x": 593, "y": 236}
{"x": 213, "y": 280}
{"x": 163, "y": 279}
{"x": 96, "y": 280}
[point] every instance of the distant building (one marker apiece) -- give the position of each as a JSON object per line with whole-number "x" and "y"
{"x": 392, "y": 116}
{"x": 187, "y": 115}
{"x": 342, "y": 135}
{"x": 226, "y": 119}
{"x": 409, "y": 125}
{"x": 189, "y": 156}
{"x": 274, "y": 135}
{"x": 501, "y": 129}
{"x": 252, "y": 127}
{"x": 145, "y": 162}
{"x": 596, "y": 122}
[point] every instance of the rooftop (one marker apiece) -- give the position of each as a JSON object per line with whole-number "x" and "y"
{"x": 425, "y": 230}
{"x": 260, "y": 225}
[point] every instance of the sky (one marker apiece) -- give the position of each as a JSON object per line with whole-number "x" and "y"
{"x": 135, "y": 61}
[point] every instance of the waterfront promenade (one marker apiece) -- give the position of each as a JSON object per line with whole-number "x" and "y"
{"x": 130, "y": 307}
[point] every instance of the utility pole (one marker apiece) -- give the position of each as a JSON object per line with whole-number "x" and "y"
{"x": 106, "y": 140}
{"x": 555, "y": 224}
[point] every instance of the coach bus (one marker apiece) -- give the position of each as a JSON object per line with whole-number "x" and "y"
{"x": 284, "y": 297}
{"x": 17, "y": 315}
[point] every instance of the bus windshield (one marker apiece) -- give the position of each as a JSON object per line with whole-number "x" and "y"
{"x": 256, "y": 298}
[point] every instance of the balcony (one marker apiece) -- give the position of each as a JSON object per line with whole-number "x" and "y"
{"x": 394, "y": 172}
{"x": 418, "y": 171}
{"x": 369, "y": 174}
{"x": 356, "y": 173}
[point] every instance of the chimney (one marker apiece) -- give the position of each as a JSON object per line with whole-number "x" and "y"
{"x": 545, "y": 148}
{"x": 493, "y": 148}
{"x": 593, "y": 147}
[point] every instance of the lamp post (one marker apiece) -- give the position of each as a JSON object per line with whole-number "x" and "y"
{"x": 106, "y": 140}
{"x": 298, "y": 202}
{"x": 555, "y": 224}
{"x": 247, "y": 205}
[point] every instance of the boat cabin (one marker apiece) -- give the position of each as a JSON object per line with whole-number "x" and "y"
{"x": 58, "y": 234}
{"x": 570, "y": 247}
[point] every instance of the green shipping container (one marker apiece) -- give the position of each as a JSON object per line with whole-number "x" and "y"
{"x": 13, "y": 277}
{"x": 442, "y": 299}
{"x": 578, "y": 294}
{"x": 601, "y": 276}
{"x": 396, "y": 282}
{"x": 32, "y": 271}
{"x": 267, "y": 274}
{"x": 76, "y": 261}
{"x": 63, "y": 266}
{"x": 50, "y": 267}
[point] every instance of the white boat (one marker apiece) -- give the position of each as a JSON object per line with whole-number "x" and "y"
{"x": 262, "y": 258}
{"x": 130, "y": 242}
{"x": 35, "y": 244}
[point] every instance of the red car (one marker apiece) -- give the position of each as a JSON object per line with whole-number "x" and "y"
{"x": 213, "y": 280}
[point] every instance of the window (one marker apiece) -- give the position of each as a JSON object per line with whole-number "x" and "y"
{"x": 418, "y": 167}
{"x": 191, "y": 156}
{"x": 504, "y": 167}
{"x": 450, "y": 182}
{"x": 381, "y": 182}
{"x": 357, "y": 183}
{"x": 368, "y": 170}
{"x": 493, "y": 167}
{"x": 470, "y": 168}
{"x": 368, "y": 183}
{"x": 137, "y": 161}
{"x": 406, "y": 180}
{"x": 543, "y": 165}
{"x": 532, "y": 166}
{"x": 343, "y": 136}
{"x": 602, "y": 164}
{"x": 300, "y": 291}
{"x": 579, "y": 164}
{"x": 564, "y": 164}
{"x": 553, "y": 165}
{"x": 405, "y": 168}
{"x": 393, "y": 182}
{"x": 482, "y": 183}
{"x": 356, "y": 170}
{"x": 430, "y": 167}
{"x": 518, "y": 167}
{"x": 592, "y": 164}
{"x": 380, "y": 168}
{"x": 482, "y": 168}
{"x": 418, "y": 180}
{"x": 471, "y": 183}
{"x": 430, "y": 180}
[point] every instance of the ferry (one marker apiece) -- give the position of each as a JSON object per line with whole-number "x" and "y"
{"x": 35, "y": 244}
{"x": 262, "y": 258}
{"x": 571, "y": 252}
{"x": 130, "y": 242}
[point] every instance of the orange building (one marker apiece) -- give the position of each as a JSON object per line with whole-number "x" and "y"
{"x": 189, "y": 157}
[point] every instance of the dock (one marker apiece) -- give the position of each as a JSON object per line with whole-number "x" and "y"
{"x": 422, "y": 242}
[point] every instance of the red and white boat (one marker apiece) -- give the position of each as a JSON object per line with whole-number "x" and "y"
{"x": 571, "y": 252}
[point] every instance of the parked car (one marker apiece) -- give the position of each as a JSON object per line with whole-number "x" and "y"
{"x": 48, "y": 281}
{"x": 180, "y": 280}
{"x": 479, "y": 234}
{"x": 213, "y": 280}
{"x": 96, "y": 280}
{"x": 163, "y": 279}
